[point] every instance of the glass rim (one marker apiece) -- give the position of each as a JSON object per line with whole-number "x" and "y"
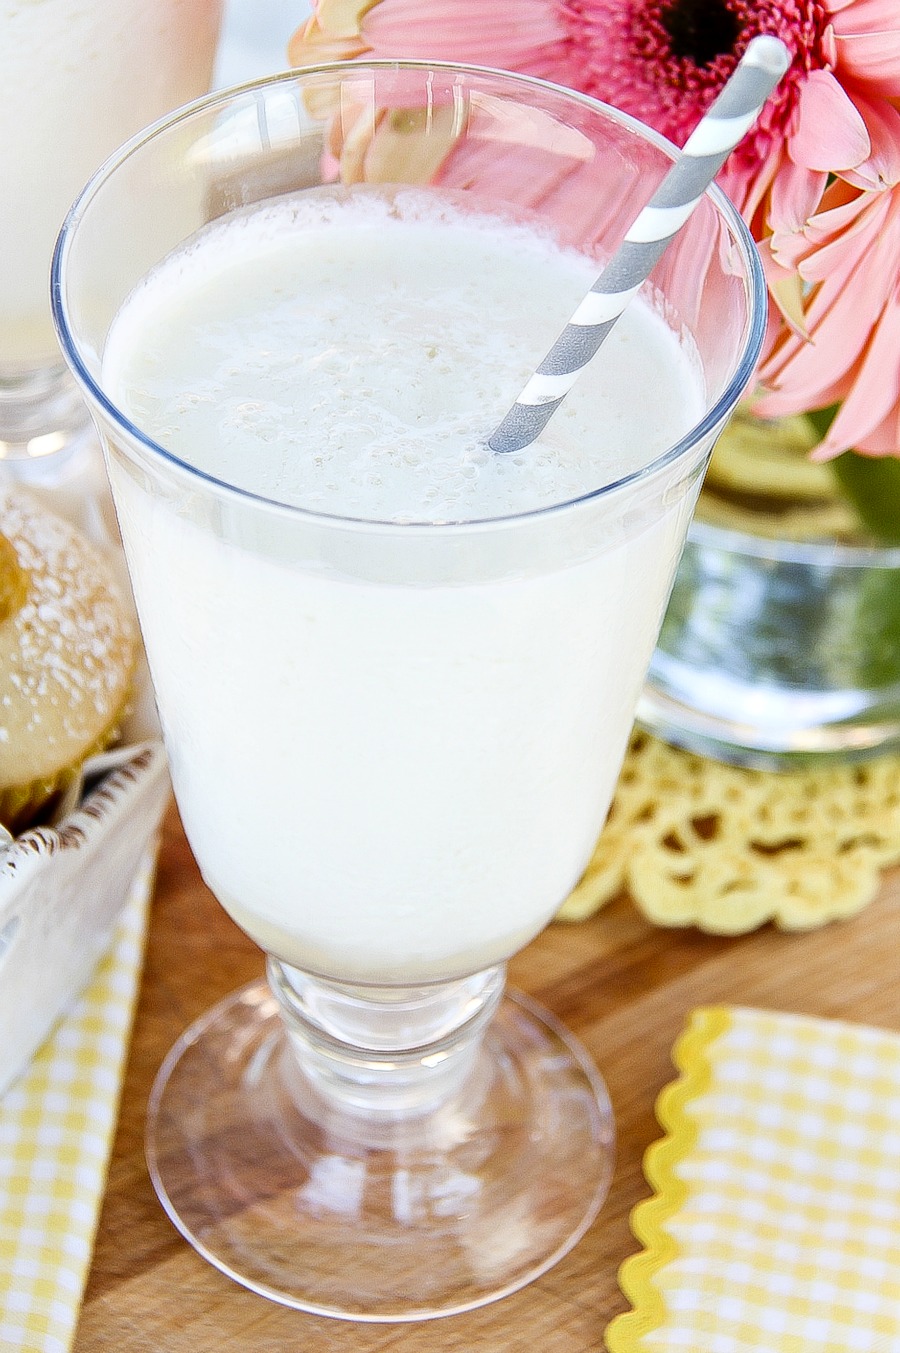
{"x": 776, "y": 549}
{"x": 754, "y": 283}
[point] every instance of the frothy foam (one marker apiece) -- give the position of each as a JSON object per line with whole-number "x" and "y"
{"x": 329, "y": 351}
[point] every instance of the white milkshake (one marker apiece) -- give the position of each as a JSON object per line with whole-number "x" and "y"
{"x": 77, "y": 77}
{"x": 392, "y": 744}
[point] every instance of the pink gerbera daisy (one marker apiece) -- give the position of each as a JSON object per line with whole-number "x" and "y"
{"x": 818, "y": 179}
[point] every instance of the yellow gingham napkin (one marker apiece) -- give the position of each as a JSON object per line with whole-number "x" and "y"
{"x": 775, "y": 1225}
{"x": 56, "y": 1128}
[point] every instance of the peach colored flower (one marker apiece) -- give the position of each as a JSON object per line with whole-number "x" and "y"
{"x": 845, "y": 349}
{"x": 818, "y": 179}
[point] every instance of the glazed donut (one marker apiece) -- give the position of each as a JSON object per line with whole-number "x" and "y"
{"x": 68, "y": 648}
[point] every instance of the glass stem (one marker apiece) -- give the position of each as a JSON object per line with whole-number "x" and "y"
{"x": 391, "y": 1051}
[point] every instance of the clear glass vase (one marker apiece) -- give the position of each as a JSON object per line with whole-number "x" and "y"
{"x": 776, "y": 653}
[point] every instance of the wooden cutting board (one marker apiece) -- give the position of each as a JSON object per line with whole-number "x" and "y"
{"x": 622, "y": 986}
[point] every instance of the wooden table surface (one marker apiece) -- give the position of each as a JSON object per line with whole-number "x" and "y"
{"x": 621, "y": 985}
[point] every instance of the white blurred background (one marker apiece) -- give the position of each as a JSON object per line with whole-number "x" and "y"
{"x": 254, "y": 38}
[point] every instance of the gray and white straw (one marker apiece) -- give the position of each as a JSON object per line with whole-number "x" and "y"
{"x": 709, "y": 145}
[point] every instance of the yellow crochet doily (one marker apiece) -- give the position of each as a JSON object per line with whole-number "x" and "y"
{"x": 696, "y": 842}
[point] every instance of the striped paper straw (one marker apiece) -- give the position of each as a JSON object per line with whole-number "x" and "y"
{"x": 712, "y": 141}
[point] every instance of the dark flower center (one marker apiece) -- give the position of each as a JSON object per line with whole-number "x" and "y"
{"x": 701, "y": 30}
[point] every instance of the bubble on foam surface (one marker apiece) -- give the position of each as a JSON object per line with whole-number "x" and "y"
{"x": 350, "y": 350}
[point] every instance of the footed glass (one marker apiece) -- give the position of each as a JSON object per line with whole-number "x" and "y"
{"x": 393, "y": 743}
{"x": 76, "y": 79}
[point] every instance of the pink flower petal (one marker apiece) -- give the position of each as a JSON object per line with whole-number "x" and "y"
{"x": 871, "y": 244}
{"x": 525, "y": 176}
{"x": 839, "y": 327}
{"x": 867, "y": 41}
{"x": 883, "y": 440}
{"x": 537, "y": 175}
{"x": 310, "y": 45}
{"x": 873, "y": 60}
{"x": 829, "y": 46}
{"x": 876, "y": 388}
{"x": 796, "y": 193}
{"x": 464, "y": 30}
{"x": 748, "y": 191}
{"x": 786, "y": 290}
{"x": 855, "y": 277}
{"x": 831, "y": 133}
{"x": 784, "y": 403}
{"x": 845, "y": 213}
{"x": 882, "y": 168}
{"x": 840, "y": 210}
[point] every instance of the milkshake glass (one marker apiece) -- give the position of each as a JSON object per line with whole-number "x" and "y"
{"x": 393, "y": 737}
{"x": 77, "y": 77}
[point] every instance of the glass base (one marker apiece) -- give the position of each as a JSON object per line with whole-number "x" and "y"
{"x": 740, "y": 741}
{"x": 387, "y": 1217}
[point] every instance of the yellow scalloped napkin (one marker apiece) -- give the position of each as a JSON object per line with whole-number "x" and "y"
{"x": 775, "y": 1225}
{"x": 56, "y": 1129}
